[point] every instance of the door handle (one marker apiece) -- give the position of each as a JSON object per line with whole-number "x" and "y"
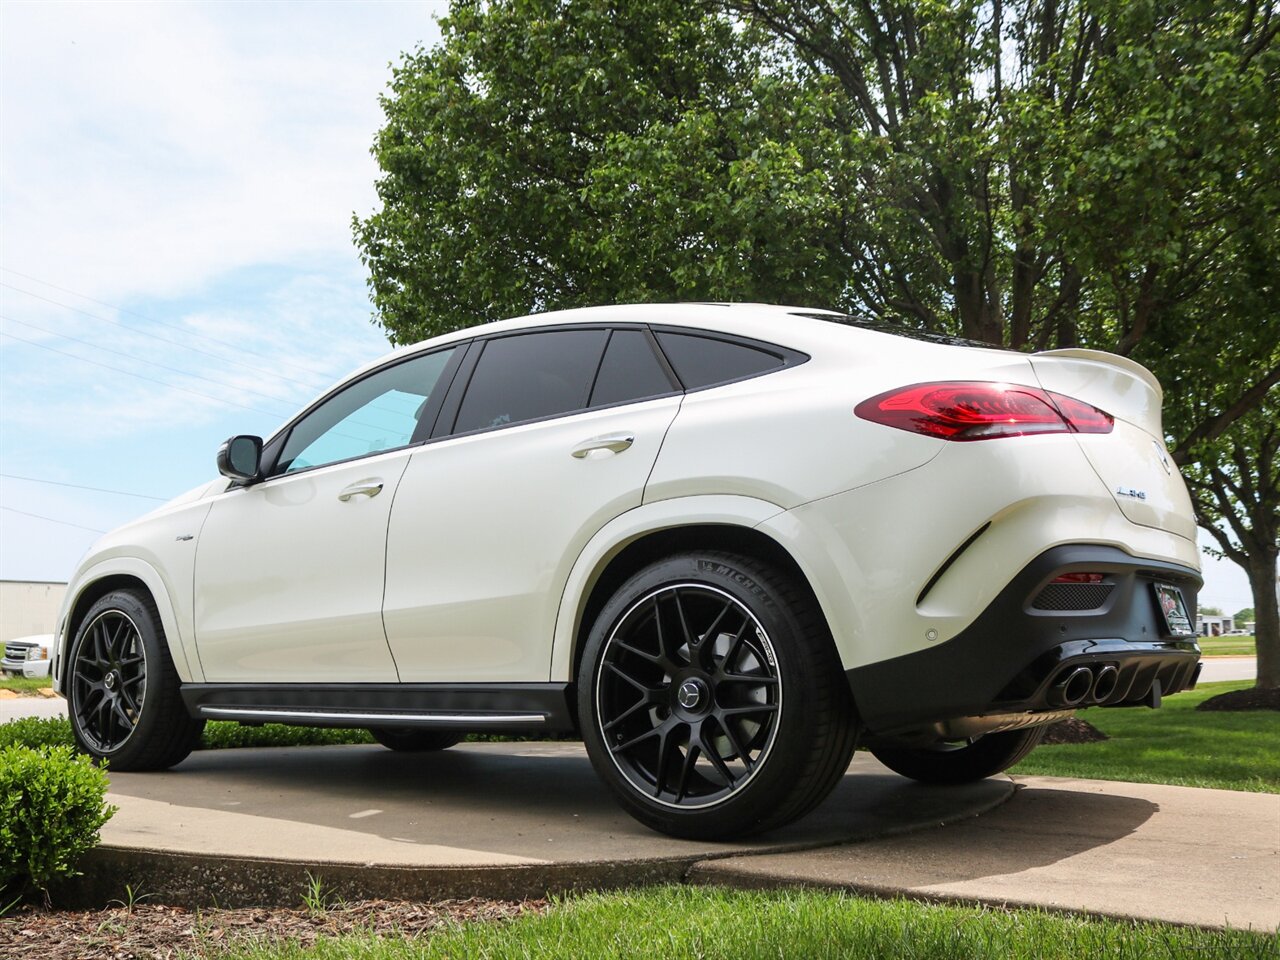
{"x": 613, "y": 442}
{"x": 361, "y": 488}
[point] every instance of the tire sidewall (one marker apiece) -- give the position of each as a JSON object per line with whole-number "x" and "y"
{"x": 796, "y": 721}
{"x": 152, "y": 637}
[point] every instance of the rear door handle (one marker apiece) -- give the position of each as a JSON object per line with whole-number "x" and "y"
{"x": 613, "y": 442}
{"x": 361, "y": 488}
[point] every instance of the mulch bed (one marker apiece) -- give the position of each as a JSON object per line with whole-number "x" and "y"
{"x": 1254, "y": 698}
{"x": 152, "y": 931}
{"x": 1073, "y": 730}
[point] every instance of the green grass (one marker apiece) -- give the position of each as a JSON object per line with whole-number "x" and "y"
{"x": 699, "y": 922}
{"x": 1175, "y": 744}
{"x": 1228, "y": 646}
{"x": 24, "y": 684}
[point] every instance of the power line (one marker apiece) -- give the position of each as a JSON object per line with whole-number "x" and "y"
{"x": 133, "y": 313}
{"x": 150, "y": 363}
{"x": 80, "y": 486}
{"x": 143, "y": 360}
{"x": 155, "y": 336}
{"x": 138, "y": 376}
{"x": 65, "y": 523}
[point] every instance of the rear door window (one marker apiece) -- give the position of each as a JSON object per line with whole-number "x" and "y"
{"x": 530, "y": 376}
{"x": 701, "y": 361}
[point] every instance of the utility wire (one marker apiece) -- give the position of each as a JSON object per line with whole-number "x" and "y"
{"x": 155, "y": 336}
{"x": 130, "y": 373}
{"x": 226, "y": 343}
{"x": 151, "y": 363}
{"x": 65, "y": 523}
{"x": 80, "y": 486}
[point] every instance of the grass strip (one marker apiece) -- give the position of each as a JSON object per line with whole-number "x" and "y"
{"x": 1175, "y": 745}
{"x": 25, "y": 684}
{"x": 218, "y": 734}
{"x": 1227, "y": 646}
{"x": 709, "y": 923}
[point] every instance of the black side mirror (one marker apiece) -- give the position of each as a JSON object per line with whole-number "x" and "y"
{"x": 240, "y": 458}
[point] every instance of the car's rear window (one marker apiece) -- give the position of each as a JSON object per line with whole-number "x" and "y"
{"x": 701, "y": 361}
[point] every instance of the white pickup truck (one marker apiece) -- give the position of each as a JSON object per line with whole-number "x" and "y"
{"x": 28, "y": 656}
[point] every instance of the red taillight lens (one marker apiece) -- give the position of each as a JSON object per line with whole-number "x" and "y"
{"x": 979, "y": 410}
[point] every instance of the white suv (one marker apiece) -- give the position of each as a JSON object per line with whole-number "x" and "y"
{"x": 724, "y": 544}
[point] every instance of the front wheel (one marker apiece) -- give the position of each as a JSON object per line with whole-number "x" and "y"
{"x": 961, "y": 762}
{"x": 712, "y": 701}
{"x": 122, "y": 688}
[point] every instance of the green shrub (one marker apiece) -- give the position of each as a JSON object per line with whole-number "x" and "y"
{"x": 51, "y": 809}
{"x": 36, "y": 732}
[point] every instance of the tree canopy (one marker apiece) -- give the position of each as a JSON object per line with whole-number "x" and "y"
{"x": 1032, "y": 173}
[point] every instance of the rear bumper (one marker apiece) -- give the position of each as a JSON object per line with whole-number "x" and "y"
{"x": 1023, "y": 653}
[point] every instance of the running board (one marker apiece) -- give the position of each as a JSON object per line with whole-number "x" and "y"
{"x": 516, "y": 707}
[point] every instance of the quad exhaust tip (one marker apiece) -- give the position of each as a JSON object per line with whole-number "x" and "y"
{"x": 1083, "y": 685}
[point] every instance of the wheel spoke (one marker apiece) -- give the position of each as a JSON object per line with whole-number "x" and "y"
{"x": 690, "y": 640}
{"x": 638, "y": 705}
{"x": 627, "y": 678}
{"x": 638, "y": 738}
{"x": 736, "y": 744}
{"x": 653, "y": 658}
{"x": 666, "y": 747}
{"x": 717, "y": 761}
{"x": 749, "y": 710}
{"x": 690, "y": 760}
{"x": 759, "y": 679}
{"x": 87, "y": 706}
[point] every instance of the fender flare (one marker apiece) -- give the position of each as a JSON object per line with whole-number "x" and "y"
{"x": 181, "y": 647}
{"x": 624, "y": 530}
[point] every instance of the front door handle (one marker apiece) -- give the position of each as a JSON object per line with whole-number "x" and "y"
{"x": 613, "y": 442}
{"x": 361, "y": 488}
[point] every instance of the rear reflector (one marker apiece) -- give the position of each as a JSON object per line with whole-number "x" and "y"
{"x": 1079, "y": 578}
{"x": 979, "y": 410}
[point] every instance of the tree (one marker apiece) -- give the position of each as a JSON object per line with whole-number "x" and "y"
{"x": 1038, "y": 173}
{"x": 1243, "y": 616}
{"x": 1211, "y": 611}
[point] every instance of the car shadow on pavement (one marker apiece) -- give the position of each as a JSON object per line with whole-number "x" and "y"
{"x": 532, "y": 800}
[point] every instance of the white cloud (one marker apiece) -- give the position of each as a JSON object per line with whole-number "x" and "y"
{"x": 147, "y": 147}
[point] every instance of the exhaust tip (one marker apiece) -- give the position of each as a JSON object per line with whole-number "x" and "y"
{"x": 1105, "y": 684}
{"x": 1072, "y": 689}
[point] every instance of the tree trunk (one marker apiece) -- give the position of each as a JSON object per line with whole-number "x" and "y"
{"x": 1266, "y": 611}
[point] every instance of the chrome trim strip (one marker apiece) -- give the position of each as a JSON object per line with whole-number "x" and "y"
{"x": 462, "y": 718}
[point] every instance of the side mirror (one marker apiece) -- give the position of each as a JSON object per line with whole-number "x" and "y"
{"x": 240, "y": 458}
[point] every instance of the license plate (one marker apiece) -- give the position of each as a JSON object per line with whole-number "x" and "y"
{"x": 1174, "y": 611}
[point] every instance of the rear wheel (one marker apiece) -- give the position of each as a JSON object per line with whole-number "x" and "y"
{"x": 122, "y": 689}
{"x": 711, "y": 698}
{"x": 413, "y": 739}
{"x": 961, "y": 762}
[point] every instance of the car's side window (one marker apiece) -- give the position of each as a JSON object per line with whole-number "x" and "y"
{"x": 376, "y": 413}
{"x": 700, "y": 361}
{"x": 630, "y": 370}
{"x": 529, "y": 376}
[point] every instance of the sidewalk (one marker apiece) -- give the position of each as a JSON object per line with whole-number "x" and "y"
{"x": 1204, "y": 857}
{"x": 522, "y": 819}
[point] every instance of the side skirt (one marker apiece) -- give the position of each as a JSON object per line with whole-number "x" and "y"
{"x": 520, "y": 708}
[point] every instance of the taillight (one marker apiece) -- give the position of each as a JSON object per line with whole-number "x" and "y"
{"x": 979, "y": 410}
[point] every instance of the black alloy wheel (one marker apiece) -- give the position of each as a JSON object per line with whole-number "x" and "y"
{"x": 689, "y": 695}
{"x": 711, "y": 699}
{"x": 122, "y": 690}
{"x": 109, "y": 679}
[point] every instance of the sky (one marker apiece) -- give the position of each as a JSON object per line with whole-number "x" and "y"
{"x": 177, "y": 182}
